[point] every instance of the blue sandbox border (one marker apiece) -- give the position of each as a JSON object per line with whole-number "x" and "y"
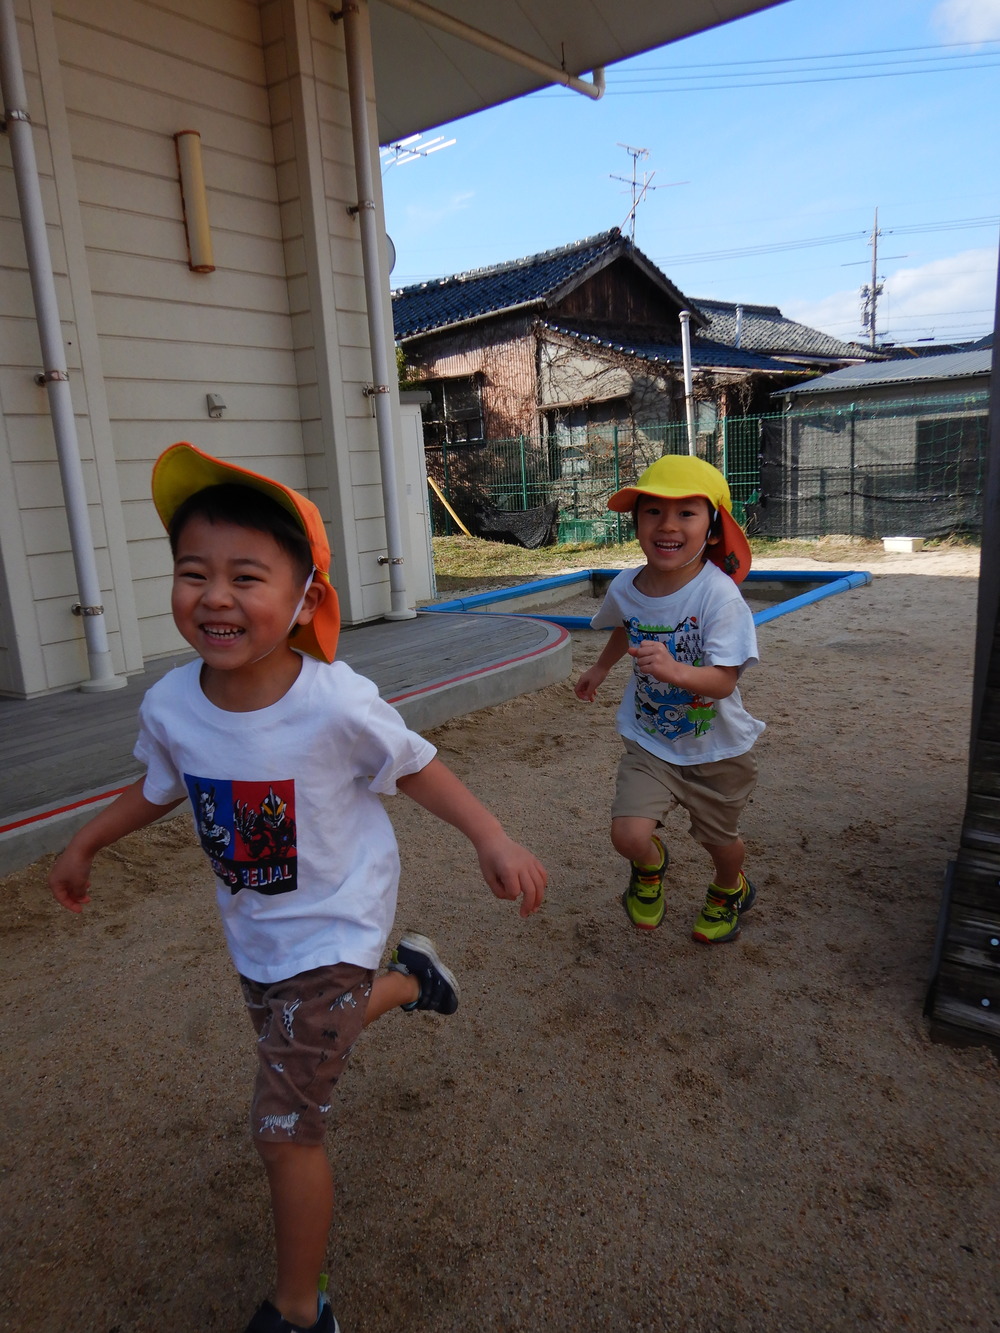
{"x": 830, "y": 584}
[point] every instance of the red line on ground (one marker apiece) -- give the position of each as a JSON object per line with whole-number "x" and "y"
{"x": 63, "y": 809}
{"x": 482, "y": 671}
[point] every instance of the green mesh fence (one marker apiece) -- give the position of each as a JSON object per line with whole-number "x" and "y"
{"x": 904, "y": 467}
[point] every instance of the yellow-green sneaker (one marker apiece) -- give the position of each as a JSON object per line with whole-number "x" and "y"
{"x": 719, "y": 920}
{"x": 643, "y": 899}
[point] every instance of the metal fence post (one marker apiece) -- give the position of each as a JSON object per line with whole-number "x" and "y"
{"x": 853, "y": 488}
{"x": 617, "y": 475}
{"x": 445, "y": 487}
{"x": 524, "y": 474}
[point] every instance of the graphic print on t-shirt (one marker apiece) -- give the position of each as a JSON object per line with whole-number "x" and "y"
{"x": 665, "y": 710}
{"x": 247, "y": 830}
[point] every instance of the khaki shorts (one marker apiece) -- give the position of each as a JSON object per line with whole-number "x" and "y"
{"x": 714, "y": 795}
{"x": 305, "y": 1028}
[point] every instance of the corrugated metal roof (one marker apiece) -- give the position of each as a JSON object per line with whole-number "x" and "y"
{"x": 765, "y": 329}
{"x": 705, "y": 355}
{"x": 954, "y": 365}
{"x": 426, "y": 307}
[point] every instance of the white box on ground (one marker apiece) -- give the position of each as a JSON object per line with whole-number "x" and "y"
{"x": 905, "y": 544}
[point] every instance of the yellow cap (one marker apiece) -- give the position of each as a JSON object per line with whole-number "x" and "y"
{"x": 676, "y": 476}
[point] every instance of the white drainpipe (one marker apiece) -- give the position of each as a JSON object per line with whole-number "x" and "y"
{"x": 357, "y": 46}
{"x": 688, "y": 382}
{"x": 55, "y": 375}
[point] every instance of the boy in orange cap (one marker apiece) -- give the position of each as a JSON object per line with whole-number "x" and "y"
{"x": 686, "y": 734}
{"x": 283, "y": 753}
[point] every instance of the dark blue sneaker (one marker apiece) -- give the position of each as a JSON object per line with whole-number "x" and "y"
{"x": 269, "y": 1320}
{"x": 415, "y": 956}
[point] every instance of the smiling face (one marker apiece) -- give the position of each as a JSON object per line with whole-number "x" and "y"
{"x": 673, "y": 535}
{"x": 235, "y": 591}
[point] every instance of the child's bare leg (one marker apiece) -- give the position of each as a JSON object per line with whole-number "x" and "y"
{"x": 301, "y": 1185}
{"x": 632, "y": 838}
{"x": 389, "y": 991}
{"x": 728, "y": 860}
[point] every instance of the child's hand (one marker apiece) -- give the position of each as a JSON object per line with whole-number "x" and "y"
{"x": 655, "y": 659}
{"x": 69, "y": 879}
{"x": 587, "y": 686}
{"x": 512, "y": 872}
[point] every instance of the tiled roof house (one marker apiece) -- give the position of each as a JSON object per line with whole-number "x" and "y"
{"x": 588, "y": 332}
{"x": 764, "y": 329}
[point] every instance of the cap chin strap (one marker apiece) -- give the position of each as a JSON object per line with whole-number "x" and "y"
{"x": 302, "y": 601}
{"x": 697, "y": 556}
{"x": 295, "y": 615}
{"x": 699, "y": 553}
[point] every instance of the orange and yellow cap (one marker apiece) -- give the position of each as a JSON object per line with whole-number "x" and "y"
{"x": 182, "y": 470}
{"x": 676, "y": 476}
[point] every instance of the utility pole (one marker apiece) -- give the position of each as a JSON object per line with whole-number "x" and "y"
{"x": 871, "y": 291}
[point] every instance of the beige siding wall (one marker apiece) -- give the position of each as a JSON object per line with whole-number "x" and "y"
{"x": 279, "y": 330}
{"x": 46, "y": 650}
{"x": 323, "y": 261}
{"x": 134, "y": 74}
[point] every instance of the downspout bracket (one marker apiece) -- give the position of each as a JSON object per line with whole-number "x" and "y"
{"x": 51, "y": 377}
{"x": 370, "y": 390}
{"x": 390, "y": 560}
{"x": 79, "y": 610}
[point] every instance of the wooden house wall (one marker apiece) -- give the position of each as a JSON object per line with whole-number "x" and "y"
{"x": 619, "y": 295}
{"x": 502, "y": 352}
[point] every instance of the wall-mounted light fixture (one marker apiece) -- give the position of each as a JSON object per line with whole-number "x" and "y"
{"x": 199, "y": 235}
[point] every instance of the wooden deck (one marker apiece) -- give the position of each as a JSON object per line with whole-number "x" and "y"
{"x": 63, "y": 755}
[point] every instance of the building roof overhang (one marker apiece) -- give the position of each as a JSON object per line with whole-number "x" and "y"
{"x": 425, "y": 76}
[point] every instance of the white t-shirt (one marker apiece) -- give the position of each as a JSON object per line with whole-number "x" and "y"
{"x": 706, "y": 623}
{"x": 286, "y": 807}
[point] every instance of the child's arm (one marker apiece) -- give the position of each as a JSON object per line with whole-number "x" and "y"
{"x": 69, "y": 878}
{"x": 590, "y": 680}
{"x": 711, "y": 682}
{"x": 508, "y": 868}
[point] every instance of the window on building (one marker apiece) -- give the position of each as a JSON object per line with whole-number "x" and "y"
{"x": 455, "y": 413}
{"x": 585, "y": 436}
{"x": 951, "y": 455}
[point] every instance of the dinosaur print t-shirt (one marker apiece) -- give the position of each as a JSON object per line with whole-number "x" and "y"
{"x": 706, "y": 623}
{"x": 286, "y": 808}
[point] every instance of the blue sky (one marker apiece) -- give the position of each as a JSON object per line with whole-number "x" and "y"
{"x": 764, "y": 166}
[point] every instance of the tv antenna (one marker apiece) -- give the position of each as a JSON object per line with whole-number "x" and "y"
{"x": 411, "y": 150}
{"x": 639, "y": 192}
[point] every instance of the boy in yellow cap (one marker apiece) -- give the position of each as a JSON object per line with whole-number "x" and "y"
{"x": 284, "y": 753}
{"x": 686, "y": 734}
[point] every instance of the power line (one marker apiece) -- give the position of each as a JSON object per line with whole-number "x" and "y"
{"x": 787, "y": 83}
{"x": 779, "y": 247}
{"x": 834, "y": 55}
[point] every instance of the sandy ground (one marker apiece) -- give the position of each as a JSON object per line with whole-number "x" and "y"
{"x": 616, "y": 1131}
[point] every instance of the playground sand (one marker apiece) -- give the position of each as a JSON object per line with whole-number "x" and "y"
{"x": 616, "y": 1131}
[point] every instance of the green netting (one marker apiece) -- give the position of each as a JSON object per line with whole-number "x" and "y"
{"x": 913, "y": 467}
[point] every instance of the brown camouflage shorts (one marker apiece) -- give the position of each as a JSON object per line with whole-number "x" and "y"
{"x": 306, "y": 1027}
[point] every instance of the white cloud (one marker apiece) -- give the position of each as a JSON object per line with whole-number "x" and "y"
{"x": 947, "y": 299}
{"x": 968, "y": 20}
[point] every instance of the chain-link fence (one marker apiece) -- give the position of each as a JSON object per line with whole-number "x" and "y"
{"x": 905, "y": 467}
